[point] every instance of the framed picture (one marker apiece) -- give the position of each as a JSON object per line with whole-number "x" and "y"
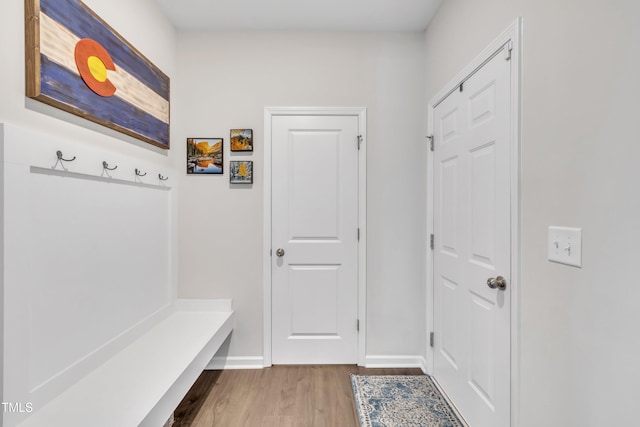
{"x": 76, "y": 62}
{"x": 205, "y": 155}
{"x": 241, "y": 172}
{"x": 241, "y": 139}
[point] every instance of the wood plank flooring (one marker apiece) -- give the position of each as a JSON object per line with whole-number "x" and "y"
{"x": 282, "y": 396}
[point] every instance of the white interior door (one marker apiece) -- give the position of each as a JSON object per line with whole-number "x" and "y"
{"x": 472, "y": 229}
{"x": 315, "y": 239}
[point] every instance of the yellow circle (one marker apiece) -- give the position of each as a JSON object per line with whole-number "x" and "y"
{"x": 97, "y": 68}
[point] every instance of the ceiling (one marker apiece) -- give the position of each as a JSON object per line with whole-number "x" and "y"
{"x": 305, "y": 15}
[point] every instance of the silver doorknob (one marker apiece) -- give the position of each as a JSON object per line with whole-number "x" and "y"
{"x": 280, "y": 252}
{"x": 497, "y": 283}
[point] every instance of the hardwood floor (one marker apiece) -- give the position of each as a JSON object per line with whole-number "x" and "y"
{"x": 283, "y": 396}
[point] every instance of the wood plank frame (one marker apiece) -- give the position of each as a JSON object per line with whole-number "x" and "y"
{"x": 138, "y": 103}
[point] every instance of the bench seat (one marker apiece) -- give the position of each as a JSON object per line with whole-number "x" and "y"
{"x": 142, "y": 384}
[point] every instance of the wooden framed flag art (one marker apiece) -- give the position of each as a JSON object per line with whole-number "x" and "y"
{"x": 76, "y": 62}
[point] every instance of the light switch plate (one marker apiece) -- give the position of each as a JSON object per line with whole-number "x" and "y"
{"x": 565, "y": 245}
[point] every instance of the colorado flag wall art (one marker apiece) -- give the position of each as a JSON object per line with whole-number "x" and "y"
{"x": 76, "y": 62}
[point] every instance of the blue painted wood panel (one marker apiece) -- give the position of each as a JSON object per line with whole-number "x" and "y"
{"x": 65, "y": 89}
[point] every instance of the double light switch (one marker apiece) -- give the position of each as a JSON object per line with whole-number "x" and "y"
{"x": 565, "y": 245}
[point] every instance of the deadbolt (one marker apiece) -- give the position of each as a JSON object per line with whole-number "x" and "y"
{"x": 497, "y": 283}
{"x": 280, "y": 252}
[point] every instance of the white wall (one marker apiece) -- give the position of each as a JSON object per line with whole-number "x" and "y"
{"x": 142, "y": 24}
{"x": 580, "y": 152}
{"x": 224, "y": 80}
{"x": 579, "y": 169}
{"x": 43, "y": 239}
{"x": 85, "y": 260}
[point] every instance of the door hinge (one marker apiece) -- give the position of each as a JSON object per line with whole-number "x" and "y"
{"x": 358, "y": 325}
{"x": 358, "y": 234}
{"x": 461, "y": 86}
{"x": 359, "y": 141}
{"x": 507, "y": 50}
{"x": 432, "y": 242}
{"x": 431, "y": 339}
{"x": 270, "y": 252}
{"x": 431, "y": 145}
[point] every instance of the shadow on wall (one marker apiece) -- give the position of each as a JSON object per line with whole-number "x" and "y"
{"x": 47, "y": 110}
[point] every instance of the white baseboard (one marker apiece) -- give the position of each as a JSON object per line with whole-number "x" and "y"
{"x": 423, "y": 365}
{"x": 257, "y": 362}
{"x": 231, "y": 362}
{"x": 396, "y": 362}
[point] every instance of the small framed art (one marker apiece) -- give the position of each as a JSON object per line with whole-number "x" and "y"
{"x": 241, "y": 139}
{"x": 205, "y": 155}
{"x": 241, "y": 172}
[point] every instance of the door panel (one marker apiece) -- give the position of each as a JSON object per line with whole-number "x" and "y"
{"x": 483, "y": 325}
{"x": 315, "y": 222}
{"x": 450, "y": 340}
{"x": 314, "y": 296}
{"x": 472, "y": 228}
{"x": 482, "y": 206}
{"x": 314, "y": 154}
{"x": 448, "y": 206}
{"x": 482, "y": 104}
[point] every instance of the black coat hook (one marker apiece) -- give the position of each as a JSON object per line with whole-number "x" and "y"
{"x": 162, "y": 178}
{"x": 60, "y": 158}
{"x": 105, "y": 165}
{"x": 139, "y": 172}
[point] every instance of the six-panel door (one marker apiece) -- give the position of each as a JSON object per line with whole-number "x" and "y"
{"x": 472, "y": 245}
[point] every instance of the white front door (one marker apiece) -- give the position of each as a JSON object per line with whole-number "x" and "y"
{"x": 472, "y": 228}
{"x": 314, "y": 260}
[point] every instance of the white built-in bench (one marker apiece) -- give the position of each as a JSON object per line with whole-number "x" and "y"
{"x": 142, "y": 384}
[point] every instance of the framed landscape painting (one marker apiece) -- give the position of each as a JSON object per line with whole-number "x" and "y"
{"x": 205, "y": 155}
{"x": 241, "y": 139}
{"x": 241, "y": 172}
{"x": 76, "y": 62}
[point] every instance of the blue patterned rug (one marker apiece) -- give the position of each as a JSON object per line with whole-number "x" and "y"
{"x": 401, "y": 401}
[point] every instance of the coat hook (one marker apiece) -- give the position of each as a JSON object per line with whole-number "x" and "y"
{"x": 162, "y": 178}
{"x": 105, "y": 166}
{"x": 139, "y": 172}
{"x": 60, "y": 158}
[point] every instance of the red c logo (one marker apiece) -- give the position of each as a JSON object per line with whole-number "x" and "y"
{"x": 93, "y": 61}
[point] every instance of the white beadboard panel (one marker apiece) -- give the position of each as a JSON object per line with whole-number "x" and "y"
{"x": 88, "y": 263}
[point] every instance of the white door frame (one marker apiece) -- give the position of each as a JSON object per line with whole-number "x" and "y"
{"x": 361, "y": 113}
{"x": 512, "y": 35}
